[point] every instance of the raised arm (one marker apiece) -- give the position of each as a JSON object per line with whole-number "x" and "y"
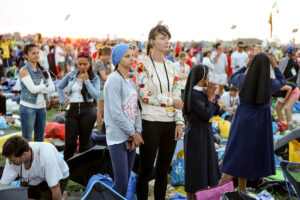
{"x": 60, "y": 89}
{"x": 93, "y": 89}
{"x": 238, "y": 78}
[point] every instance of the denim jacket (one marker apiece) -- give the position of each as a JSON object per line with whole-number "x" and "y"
{"x": 65, "y": 86}
{"x": 36, "y": 77}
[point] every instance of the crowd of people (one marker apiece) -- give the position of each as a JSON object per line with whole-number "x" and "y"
{"x": 144, "y": 99}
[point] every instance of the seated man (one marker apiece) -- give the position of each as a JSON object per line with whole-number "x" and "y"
{"x": 40, "y": 166}
{"x": 231, "y": 100}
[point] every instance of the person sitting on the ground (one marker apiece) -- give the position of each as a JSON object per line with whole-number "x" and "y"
{"x": 231, "y": 100}
{"x": 2, "y": 103}
{"x": 40, "y": 166}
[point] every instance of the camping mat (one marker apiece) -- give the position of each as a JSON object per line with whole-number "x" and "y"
{"x": 279, "y": 175}
{"x": 180, "y": 190}
{"x": 5, "y": 137}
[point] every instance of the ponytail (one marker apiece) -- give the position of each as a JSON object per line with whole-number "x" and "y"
{"x": 45, "y": 73}
{"x": 149, "y": 47}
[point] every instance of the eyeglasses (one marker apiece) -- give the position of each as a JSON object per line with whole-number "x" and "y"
{"x": 83, "y": 54}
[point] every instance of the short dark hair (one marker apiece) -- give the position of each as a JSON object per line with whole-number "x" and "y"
{"x": 15, "y": 146}
{"x": 234, "y": 89}
{"x": 217, "y": 45}
{"x": 206, "y": 53}
{"x": 240, "y": 42}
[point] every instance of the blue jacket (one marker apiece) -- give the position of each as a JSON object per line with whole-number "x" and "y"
{"x": 65, "y": 86}
{"x": 36, "y": 77}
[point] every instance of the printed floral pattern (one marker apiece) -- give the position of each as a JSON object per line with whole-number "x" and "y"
{"x": 142, "y": 85}
{"x": 145, "y": 100}
{"x": 175, "y": 80}
{"x": 149, "y": 97}
{"x": 141, "y": 68}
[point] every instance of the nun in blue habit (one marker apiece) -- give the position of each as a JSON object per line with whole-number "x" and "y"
{"x": 249, "y": 152}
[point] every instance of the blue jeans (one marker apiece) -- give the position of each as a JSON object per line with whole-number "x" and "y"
{"x": 33, "y": 119}
{"x": 122, "y": 162}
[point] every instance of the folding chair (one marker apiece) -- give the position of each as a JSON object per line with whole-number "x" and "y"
{"x": 291, "y": 172}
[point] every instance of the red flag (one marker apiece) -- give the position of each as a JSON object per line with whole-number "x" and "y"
{"x": 271, "y": 23}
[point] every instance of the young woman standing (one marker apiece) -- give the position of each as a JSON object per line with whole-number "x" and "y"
{"x": 162, "y": 119}
{"x": 183, "y": 70}
{"x": 122, "y": 117}
{"x": 103, "y": 70}
{"x": 82, "y": 87}
{"x": 35, "y": 84}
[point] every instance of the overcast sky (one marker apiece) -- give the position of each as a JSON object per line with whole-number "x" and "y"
{"x": 187, "y": 19}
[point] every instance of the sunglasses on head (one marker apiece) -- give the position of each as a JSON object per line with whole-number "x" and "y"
{"x": 160, "y": 27}
{"x": 83, "y": 54}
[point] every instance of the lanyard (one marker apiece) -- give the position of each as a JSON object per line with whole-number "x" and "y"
{"x": 231, "y": 102}
{"x": 158, "y": 76}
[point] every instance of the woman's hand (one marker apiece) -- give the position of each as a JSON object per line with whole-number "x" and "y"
{"x": 178, "y": 132}
{"x": 137, "y": 139}
{"x": 177, "y": 103}
{"x": 251, "y": 56}
{"x": 222, "y": 104}
{"x": 211, "y": 91}
{"x": 84, "y": 76}
{"x": 133, "y": 147}
{"x": 272, "y": 60}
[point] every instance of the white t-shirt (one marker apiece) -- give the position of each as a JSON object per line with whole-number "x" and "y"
{"x": 221, "y": 63}
{"x": 59, "y": 58}
{"x": 230, "y": 101}
{"x": 47, "y": 165}
{"x": 92, "y": 48}
{"x": 194, "y": 60}
{"x": 208, "y": 62}
{"x": 238, "y": 59}
{"x": 76, "y": 96}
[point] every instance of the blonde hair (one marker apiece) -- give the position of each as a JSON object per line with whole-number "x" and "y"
{"x": 182, "y": 55}
{"x": 258, "y": 48}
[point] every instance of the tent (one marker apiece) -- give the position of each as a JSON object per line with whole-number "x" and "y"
{"x": 8, "y": 192}
{"x": 94, "y": 161}
{"x": 100, "y": 191}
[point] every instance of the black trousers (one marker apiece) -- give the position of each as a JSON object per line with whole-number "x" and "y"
{"x": 42, "y": 190}
{"x": 158, "y": 136}
{"x": 80, "y": 121}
